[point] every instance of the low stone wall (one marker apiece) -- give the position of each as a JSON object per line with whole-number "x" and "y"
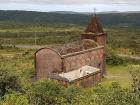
{"x": 87, "y": 81}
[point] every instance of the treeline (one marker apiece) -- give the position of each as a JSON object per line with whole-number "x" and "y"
{"x": 29, "y": 17}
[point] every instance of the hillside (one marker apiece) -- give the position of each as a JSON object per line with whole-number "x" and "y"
{"x": 21, "y": 27}
{"x": 30, "y": 17}
{"x": 21, "y": 35}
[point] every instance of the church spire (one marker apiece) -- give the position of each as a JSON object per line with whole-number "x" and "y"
{"x": 95, "y": 11}
{"x": 94, "y": 26}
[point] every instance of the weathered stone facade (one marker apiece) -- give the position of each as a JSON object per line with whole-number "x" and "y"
{"x": 92, "y": 57}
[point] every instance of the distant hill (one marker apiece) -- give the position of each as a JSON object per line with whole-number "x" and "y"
{"x": 62, "y": 17}
{"x": 65, "y": 12}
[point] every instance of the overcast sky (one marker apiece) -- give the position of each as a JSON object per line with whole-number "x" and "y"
{"x": 71, "y": 5}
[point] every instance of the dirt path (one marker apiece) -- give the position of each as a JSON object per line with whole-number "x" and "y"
{"x": 28, "y": 46}
{"x": 42, "y": 46}
{"x": 129, "y": 56}
{"x": 115, "y": 76}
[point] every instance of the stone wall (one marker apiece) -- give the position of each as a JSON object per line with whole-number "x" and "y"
{"x": 47, "y": 61}
{"x": 94, "y": 58}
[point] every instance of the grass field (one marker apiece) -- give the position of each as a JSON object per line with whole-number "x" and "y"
{"x": 118, "y": 74}
{"x": 118, "y": 38}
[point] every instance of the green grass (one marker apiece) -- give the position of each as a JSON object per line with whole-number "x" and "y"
{"x": 117, "y": 73}
{"x": 119, "y": 38}
{"x": 18, "y": 61}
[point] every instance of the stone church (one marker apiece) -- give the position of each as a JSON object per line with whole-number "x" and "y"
{"x": 81, "y": 63}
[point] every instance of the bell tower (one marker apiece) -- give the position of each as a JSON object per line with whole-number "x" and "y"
{"x": 95, "y": 32}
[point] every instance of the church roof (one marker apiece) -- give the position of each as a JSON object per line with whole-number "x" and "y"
{"x": 94, "y": 26}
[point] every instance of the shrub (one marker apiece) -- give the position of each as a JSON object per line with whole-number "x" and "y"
{"x": 45, "y": 93}
{"x": 70, "y": 94}
{"x": 113, "y": 58}
{"x": 50, "y": 92}
{"x": 8, "y": 81}
{"x": 15, "y": 99}
{"x": 115, "y": 95}
{"x": 135, "y": 74}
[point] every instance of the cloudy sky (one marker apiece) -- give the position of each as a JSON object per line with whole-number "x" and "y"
{"x": 71, "y": 5}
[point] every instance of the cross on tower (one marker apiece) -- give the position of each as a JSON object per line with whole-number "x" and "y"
{"x": 95, "y": 11}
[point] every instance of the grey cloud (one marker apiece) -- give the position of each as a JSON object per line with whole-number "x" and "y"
{"x": 72, "y": 1}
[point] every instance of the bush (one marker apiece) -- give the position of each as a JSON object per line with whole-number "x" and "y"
{"x": 70, "y": 94}
{"x": 8, "y": 81}
{"x": 135, "y": 73}
{"x": 45, "y": 93}
{"x": 50, "y": 92}
{"x": 115, "y": 95}
{"x": 113, "y": 58}
{"x": 15, "y": 99}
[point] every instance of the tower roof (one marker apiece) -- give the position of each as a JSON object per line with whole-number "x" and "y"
{"x": 94, "y": 26}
